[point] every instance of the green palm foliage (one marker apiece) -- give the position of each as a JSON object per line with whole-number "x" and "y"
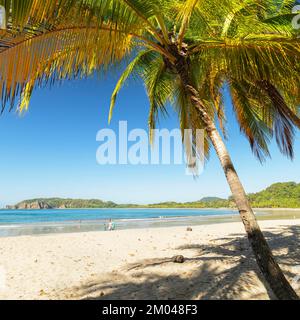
{"x": 246, "y": 46}
{"x": 187, "y": 52}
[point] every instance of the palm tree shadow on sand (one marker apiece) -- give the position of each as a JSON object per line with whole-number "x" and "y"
{"x": 226, "y": 271}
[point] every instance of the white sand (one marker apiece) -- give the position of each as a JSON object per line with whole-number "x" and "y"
{"x": 134, "y": 264}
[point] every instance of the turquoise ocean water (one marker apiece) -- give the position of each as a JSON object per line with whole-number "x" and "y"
{"x": 29, "y": 222}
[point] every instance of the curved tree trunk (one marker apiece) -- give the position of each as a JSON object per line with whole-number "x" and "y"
{"x": 263, "y": 254}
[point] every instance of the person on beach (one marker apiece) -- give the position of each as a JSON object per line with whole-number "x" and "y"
{"x": 111, "y": 225}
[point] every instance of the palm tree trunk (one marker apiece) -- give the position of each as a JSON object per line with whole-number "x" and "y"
{"x": 263, "y": 254}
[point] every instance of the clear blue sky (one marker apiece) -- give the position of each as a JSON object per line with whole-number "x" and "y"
{"x": 51, "y": 151}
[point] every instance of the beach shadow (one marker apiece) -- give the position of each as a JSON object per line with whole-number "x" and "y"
{"x": 225, "y": 269}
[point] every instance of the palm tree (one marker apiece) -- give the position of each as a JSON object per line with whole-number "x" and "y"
{"x": 186, "y": 52}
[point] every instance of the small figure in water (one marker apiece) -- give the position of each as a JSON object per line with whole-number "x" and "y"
{"x": 111, "y": 225}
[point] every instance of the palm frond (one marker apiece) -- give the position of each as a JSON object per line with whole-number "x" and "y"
{"x": 130, "y": 70}
{"x": 250, "y": 119}
{"x": 248, "y": 46}
{"x": 41, "y": 57}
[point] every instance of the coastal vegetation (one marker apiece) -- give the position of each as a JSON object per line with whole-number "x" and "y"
{"x": 278, "y": 195}
{"x": 58, "y": 203}
{"x": 185, "y": 52}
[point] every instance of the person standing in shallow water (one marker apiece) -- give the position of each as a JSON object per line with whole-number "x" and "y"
{"x": 111, "y": 225}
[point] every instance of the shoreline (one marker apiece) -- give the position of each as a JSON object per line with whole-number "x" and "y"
{"x": 144, "y": 228}
{"x": 136, "y": 264}
{"x": 82, "y": 224}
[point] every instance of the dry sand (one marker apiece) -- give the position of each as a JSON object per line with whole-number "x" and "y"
{"x": 135, "y": 264}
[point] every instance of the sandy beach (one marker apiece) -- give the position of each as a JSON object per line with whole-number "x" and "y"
{"x": 135, "y": 264}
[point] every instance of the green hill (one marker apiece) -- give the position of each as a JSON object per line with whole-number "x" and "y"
{"x": 278, "y": 195}
{"x": 52, "y": 203}
{"x": 211, "y": 199}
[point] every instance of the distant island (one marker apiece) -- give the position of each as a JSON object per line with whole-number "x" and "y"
{"x": 278, "y": 195}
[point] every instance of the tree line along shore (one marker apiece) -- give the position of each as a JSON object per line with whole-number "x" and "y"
{"x": 278, "y": 195}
